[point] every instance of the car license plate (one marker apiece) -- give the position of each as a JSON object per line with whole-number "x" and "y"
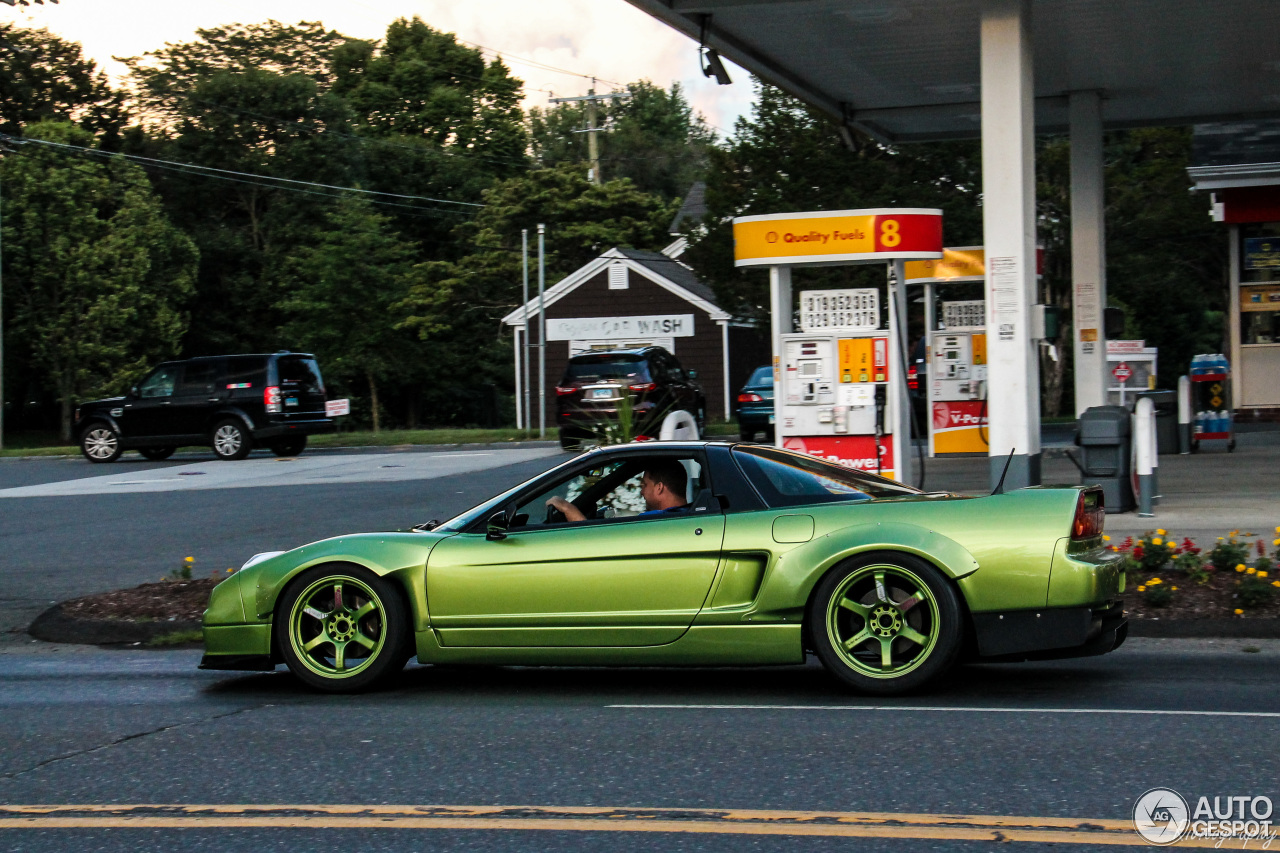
{"x": 291, "y": 401}
{"x": 601, "y": 393}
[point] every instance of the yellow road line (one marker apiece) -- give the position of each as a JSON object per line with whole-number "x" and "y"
{"x": 582, "y": 819}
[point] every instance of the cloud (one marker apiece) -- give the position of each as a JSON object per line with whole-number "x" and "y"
{"x": 609, "y": 39}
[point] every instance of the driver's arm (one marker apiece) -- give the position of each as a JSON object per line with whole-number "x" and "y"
{"x": 570, "y": 512}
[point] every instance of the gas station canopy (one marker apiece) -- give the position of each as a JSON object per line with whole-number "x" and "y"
{"x": 909, "y": 70}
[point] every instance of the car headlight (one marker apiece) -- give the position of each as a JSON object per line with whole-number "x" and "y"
{"x": 258, "y": 558}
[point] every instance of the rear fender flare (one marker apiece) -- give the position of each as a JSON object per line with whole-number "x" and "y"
{"x": 228, "y": 412}
{"x": 798, "y": 571}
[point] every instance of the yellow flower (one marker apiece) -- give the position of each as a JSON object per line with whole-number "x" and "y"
{"x": 1175, "y": 589}
{"x": 1239, "y": 612}
{"x": 1262, "y": 574}
{"x": 1142, "y": 589}
{"x": 189, "y": 560}
{"x": 1250, "y": 570}
{"x": 1275, "y": 542}
{"x": 1275, "y": 583}
{"x": 1106, "y": 538}
{"x": 1240, "y": 568}
{"x": 1154, "y": 581}
{"x": 1157, "y": 541}
{"x": 1159, "y": 532}
{"x": 1219, "y": 538}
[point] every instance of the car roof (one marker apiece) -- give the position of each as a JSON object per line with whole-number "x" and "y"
{"x": 638, "y": 351}
{"x": 682, "y": 444}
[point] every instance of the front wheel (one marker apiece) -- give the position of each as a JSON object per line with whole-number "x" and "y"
{"x": 341, "y": 628}
{"x": 100, "y": 443}
{"x": 885, "y": 624}
{"x": 231, "y": 440}
{"x": 156, "y": 454}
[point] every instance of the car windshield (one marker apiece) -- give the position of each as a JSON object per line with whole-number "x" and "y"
{"x": 605, "y": 367}
{"x": 794, "y": 479}
{"x": 761, "y": 376}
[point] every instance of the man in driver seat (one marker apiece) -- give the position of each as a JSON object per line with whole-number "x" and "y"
{"x": 662, "y": 487}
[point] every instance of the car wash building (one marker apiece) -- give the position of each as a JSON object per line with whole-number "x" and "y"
{"x": 629, "y": 298}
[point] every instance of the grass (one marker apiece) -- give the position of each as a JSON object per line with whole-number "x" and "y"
{"x": 177, "y": 638}
{"x": 46, "y": 444}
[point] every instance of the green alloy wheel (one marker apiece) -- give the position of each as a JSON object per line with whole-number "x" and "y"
{"x": 342, "y": 628}
{"x": 885, "y": 623}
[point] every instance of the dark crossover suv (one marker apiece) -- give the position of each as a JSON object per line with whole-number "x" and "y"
{"x": 231, "y": 403}
{"x": 755, "y": 405}
{"x": 599, "y": 389}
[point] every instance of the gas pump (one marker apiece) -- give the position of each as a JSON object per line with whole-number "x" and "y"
{"x": 834, "y": 397}
{"x": 958, "y": 381}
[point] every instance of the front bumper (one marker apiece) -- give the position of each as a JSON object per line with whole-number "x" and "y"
{"x": 1050, "y": 632}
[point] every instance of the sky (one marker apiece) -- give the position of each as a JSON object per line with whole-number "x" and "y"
{"x": 608, "y": 39}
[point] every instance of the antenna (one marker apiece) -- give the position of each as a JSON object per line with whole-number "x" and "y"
{"x": 999, "y": 489}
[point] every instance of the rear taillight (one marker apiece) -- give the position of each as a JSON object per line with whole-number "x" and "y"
{"x": 913, "y": 380}
{"x": 565, "y": 392}
{"x": 750, "y": 398}
{"x": 645, "y": 387}
{"x": 1090, "y": 515}
{"x": 271, "y": 398}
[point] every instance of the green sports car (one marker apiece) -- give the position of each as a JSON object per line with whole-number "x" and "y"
{"x": 690, "y": 553}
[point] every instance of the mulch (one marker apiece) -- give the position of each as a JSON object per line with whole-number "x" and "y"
{"x": 1215, "y": 599}
{"x": 176, "y": 600}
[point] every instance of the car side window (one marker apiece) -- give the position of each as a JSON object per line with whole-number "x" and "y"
{"x": 532, "y": 512}
{"x": 606, "y": 492}
{"x": 674, "y": 368}
{"x": 199, "y": 377}
{"x": 160, "y": 383}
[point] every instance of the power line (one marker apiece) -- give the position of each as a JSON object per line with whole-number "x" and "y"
{"x": 193, "y": 168}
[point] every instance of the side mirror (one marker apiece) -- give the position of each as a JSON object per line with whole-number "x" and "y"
{"x": 498, "y": 524}
{"x": 693, "y": 374}
{"x": 133, "y": 390}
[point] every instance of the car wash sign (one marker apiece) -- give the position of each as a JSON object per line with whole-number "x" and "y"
{"x": 837, "y": 237}
{"x": 620, "y": 328}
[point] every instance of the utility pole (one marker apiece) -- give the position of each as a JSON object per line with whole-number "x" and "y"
{"x": 542, "y": 332}
{"x": 524, "y": 353}
{"x": 591, "y": 99}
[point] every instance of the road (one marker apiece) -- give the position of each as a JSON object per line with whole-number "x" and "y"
{"x": 1075, "y": 741}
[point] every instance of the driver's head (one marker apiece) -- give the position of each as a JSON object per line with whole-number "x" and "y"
{"x": 663, "y": 485}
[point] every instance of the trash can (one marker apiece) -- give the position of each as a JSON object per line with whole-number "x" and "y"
{"x": 1166, "y": 404}
{"x": 1105, "y": 447}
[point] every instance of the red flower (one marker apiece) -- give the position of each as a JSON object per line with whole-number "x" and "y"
{"x": 1137, "y": 553}
{"x": 1262, "y": 549}
{"x": 1189, "y": 546}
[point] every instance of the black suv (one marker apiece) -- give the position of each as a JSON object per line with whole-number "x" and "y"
{"x": 230, "y": 403}
{"x": 590, "y": 395}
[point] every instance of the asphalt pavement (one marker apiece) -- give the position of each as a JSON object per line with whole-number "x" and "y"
{"x": 1071, "y": 741}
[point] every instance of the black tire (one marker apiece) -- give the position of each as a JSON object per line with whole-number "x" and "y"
{"x": 231, "y": 440}
{"x": 99, "y": 442}
{"x": 387, "y": 625}
{"x": 936, "y": 618}
{"x": 156, "y": 454}
{"x": 290, "y": 447}
{"x": 746, "y": 434}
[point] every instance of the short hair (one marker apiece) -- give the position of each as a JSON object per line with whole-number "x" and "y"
{"x": 670, "y": 473}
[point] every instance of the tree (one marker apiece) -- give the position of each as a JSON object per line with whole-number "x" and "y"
{"x": 652, "y": 136}
{"x": 789, "y": 157}
{"x": 347, "y": 306}
{"x": 475, "y": 291}
{"x": 94, "y": 272}
{"x": 43, "y": 78}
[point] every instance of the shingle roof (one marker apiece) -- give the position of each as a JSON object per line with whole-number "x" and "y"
{"x": 693, "y": 209}
{"x": 673, "y": 271}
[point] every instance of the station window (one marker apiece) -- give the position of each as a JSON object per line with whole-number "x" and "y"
{"x": 1260, "y": 283}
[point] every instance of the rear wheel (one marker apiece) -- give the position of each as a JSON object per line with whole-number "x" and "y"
{"x": 100, "y": 443}
{"x": 746, "y": 434}
{"x": 885, "y": 624}
{"x": 290, "y": 447}
{"x": 157, "y": 453}
{"x": 231, "y": 440}
{"x": 341, "y": 628}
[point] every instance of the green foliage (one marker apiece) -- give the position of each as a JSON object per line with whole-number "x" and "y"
{"x": 95, "y": 275}
{"x": 1160, "y": 595}
{"x": 1153, "y": 552}
{"x": 1228, "y": 554}
{"x": 48, "y": 79}
{"x": 347, "y": 301}
{"x": 652, "y": 136}
{"x": 1253, "y": 591}
{"x": 1192, "y": 565}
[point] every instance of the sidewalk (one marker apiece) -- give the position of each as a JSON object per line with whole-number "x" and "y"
{"x": 1203, "y": 495}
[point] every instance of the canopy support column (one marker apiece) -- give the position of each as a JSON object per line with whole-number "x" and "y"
{"x": 1088, "y": 250}
{"x": 1009, "y": 224}
{"x": 780, "y": 324}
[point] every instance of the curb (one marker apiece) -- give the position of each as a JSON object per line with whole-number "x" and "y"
{"x": 1261, "y": 629}
{"x": 54, "y": 626}
{"x": 207, "y": 455}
